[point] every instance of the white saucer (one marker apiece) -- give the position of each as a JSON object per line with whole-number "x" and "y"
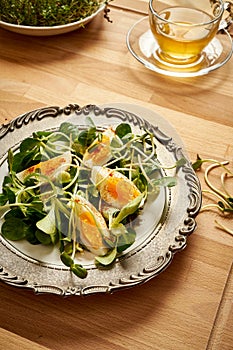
{"x": 142, "y": 45}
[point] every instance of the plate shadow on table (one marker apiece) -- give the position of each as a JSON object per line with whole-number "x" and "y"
{"x": 190, "y": 85}
{"x": 43, "y": 49}
{"x": 196, "y": 96}
{"x": 86, "y": 319}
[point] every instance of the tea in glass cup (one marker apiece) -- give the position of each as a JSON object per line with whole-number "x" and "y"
{"x": 183, "y": 28}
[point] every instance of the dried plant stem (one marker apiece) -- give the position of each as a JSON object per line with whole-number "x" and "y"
{"x": 224, "y": 198}
{"x": 223, "y": 177}
{"x": 207, "y": 171}
{"x": 223, "y": 227}
{"x": 217, "y": 195}
{"x": 209, "y": 206}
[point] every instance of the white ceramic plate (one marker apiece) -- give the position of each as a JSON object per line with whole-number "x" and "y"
{"x": 48, "y": 31}
{"x": 164, "y": 223}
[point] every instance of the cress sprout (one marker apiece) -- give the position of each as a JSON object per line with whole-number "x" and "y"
{"x": 223, "y": 199}
{"x": 49, "y": 197}
{"x": 48, "y": 12}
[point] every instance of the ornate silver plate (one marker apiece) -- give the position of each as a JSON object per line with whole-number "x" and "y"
{"x": 164, "y": 226}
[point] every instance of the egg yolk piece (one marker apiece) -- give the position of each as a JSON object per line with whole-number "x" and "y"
{"x": 50, "y": 167}
{"x": 99, "y": 152}
{"x": 91, "y": 225}
{"x": 121, "y": 190}
{"x": 89, "y": 229}
{"x": 114, "y": 188}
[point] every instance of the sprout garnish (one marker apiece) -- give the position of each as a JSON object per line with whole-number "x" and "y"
{"x": 49, "y": 197}
{"x": 223, "y": 200}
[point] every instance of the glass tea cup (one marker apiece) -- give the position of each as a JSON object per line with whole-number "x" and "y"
{"x": 183, "y": 28}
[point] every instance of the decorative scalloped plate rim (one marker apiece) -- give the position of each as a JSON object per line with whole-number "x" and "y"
{"x": 147, "y": 260}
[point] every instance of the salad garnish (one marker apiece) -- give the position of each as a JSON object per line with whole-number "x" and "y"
{"x": 49, "y": 13}
{"x": 221, "y": 198}
{"x": 81, "y": 189}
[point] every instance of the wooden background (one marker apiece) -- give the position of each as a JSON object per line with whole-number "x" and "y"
{"x": 189, "y": 306}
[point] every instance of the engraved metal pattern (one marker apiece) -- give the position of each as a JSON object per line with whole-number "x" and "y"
{"x": 146, "y": 262}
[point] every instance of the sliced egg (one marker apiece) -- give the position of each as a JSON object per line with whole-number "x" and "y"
{"x": 99, "y": 152}
{"x": 50, "y": 168}
{"x": 114, "y": 188}
{"x": 91, "y": 225}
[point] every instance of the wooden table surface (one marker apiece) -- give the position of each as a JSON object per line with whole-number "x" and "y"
{"x": 189, "y": 305}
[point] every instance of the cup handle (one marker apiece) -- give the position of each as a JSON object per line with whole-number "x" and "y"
{"x": 227, "y": 19}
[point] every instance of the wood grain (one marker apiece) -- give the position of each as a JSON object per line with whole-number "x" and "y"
{"x": 188, "y": 306}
